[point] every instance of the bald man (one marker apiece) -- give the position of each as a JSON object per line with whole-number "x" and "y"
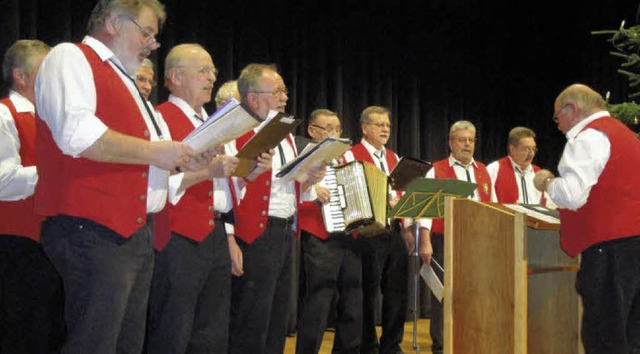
{"x": 598, "y": 195}
{"x": 191, "y": 286}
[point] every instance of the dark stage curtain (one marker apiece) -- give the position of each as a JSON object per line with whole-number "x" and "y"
{"x": 431, "y": 62}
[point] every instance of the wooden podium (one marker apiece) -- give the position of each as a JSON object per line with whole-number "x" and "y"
{"x": 508, "y": 287}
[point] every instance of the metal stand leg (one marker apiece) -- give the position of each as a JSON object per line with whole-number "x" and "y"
{"x": 416, "y": 287}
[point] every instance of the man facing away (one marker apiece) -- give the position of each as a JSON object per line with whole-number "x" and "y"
{"x": 31, "y": 298}
{"x": 598, "y": 195}
{"x": 512, "y": 175}
{"x": 103, "y": 173}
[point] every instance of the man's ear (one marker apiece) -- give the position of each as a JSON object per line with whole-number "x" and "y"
{"x": 112, "y": 24}
{"x": 19, "y": 76}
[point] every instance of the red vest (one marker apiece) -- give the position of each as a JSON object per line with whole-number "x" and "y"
{"x": 110, "y": 194}
{"x": 250, "y": 214}
{"x": 193, "y": 217}
{"x": 483, "y": 180}
{"x": 18, "y": 217}
{"x": 506, "y": 186}
{"x": 612, "y": 210}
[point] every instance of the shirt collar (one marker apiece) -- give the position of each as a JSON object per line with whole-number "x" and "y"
{"x": 516, "y": 167}
{"x": 452, "y": 161}
{"x": 186, "y": 108}
{"x": 372, "y": 150}
{"x": 104, "y": 53}
{"x": 573, "y": 132}
{"x": 21, "y": 103}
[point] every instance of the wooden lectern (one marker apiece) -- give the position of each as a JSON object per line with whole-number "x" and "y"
{"x": 508, "y": 287}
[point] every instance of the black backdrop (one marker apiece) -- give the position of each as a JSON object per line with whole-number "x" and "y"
{"x": 496, "y": 65}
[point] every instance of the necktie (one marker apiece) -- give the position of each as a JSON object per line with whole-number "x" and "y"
{"x": 380, "y": 163}
{"x": 281, "y": 153}
{"x": 466, "y": 169}
{"x": 523, "y": 184}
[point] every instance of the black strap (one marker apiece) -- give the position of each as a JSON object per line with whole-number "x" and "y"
{"x": 197, "y": 117}
{"x": 380, "y": 162}
{"x": 466, "y": 169}
{"x": 523, "y": 183}
{"x": 144, "y": 101}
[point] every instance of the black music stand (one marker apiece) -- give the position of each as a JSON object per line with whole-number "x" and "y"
{"x": 424, "y": 198}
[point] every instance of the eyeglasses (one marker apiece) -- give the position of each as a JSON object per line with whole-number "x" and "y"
{"x": 528, "y": 149}
{"x": 465, "y": 140}
{"x": 381, "y": 125}
{"x": 276, "y": 92}
{"x": 555, "y": 116}
{"x": 149, "y": 37}
{"x": 203, "y": 70}
{"x": 144, "y": 80}
{"x": 329, "y": 129}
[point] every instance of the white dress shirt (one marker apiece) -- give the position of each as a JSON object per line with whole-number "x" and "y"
{"x": 582, "y": 162}
{"x": 16, "y": 181}
{"x": 66, "y": 100}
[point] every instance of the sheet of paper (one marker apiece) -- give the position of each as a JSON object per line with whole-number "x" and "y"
{"x": 312, "y": 156}
{"x": 533, "y": 213}
{"x": 432, "y": 280}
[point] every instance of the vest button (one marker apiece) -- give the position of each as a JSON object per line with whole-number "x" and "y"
{"x": 210, "y": 222}
{"x": 144, "y": 175}
{"x": 266, "y": 183}
{"x": 263, "y": 213}
{"x": 261, "y": 225}
{"x": 146, "y": 133}
{"x": 139, "y": 220}
{"x": 142, "y": 197}
{"x": 265, "y": 198}
{"x": 210, "y": 208}
{"x": 210, "y": 193}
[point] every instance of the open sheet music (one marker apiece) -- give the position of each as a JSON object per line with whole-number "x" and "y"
{"x": 227, "y": 123}
{"x": 407, "y": 169}
{"x": 433, "y": 282}
{"x": 273, "y": 131}
{"x": 312, "y": 155}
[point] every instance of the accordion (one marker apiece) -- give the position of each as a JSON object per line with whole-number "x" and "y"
{"x": 359, "y": 192}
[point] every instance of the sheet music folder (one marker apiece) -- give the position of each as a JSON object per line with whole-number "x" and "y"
{"x": 407, "y": 169}
{"x": 424, "y": 197}
{"x": 270, "y": 134}
{"x": 228, "y": 122}
{"x": 312, "y": 155}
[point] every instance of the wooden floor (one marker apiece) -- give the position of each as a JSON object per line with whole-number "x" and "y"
{"x": 423, "y": 340}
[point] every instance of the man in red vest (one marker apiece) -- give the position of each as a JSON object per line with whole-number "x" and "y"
{"x": 103, "y": 174}
{"x": 191, "y": 286}
{"x": 31, "y": 298}
{"x": 459, "y": 165}
{"x": 331, "y": 264}
{"x": 264, "y": 211}
{"x": 598, "y": 195}
{"x": 144, "y": 78}
{"x": 385, "y": 256}
{"x": 512, "y": 175}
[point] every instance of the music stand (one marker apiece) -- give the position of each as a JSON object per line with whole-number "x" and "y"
{"x": 424, "y": 198}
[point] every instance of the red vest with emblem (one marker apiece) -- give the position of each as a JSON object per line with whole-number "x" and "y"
{"x": 110, "y": 194}
{"x": 251, "y": 213}
{"x": 18, "y": 217}
{"x": 506, "y": 185}
{"x": 483, "y": 180}
{"x": 612, "y": 210}
{"x": 193, "y": 217}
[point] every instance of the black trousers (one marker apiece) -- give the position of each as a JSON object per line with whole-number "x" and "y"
{"x": 384, "y": 269}
{"x": 260, "y": 298}
{"x": 331, "y": 265}
{"x": 189, "y": 304}
{"x": 106, "y": 281}
{"x": 436, "y": 324}
{"x": 31, "y": 299}
{"x": 609, "y": 283}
